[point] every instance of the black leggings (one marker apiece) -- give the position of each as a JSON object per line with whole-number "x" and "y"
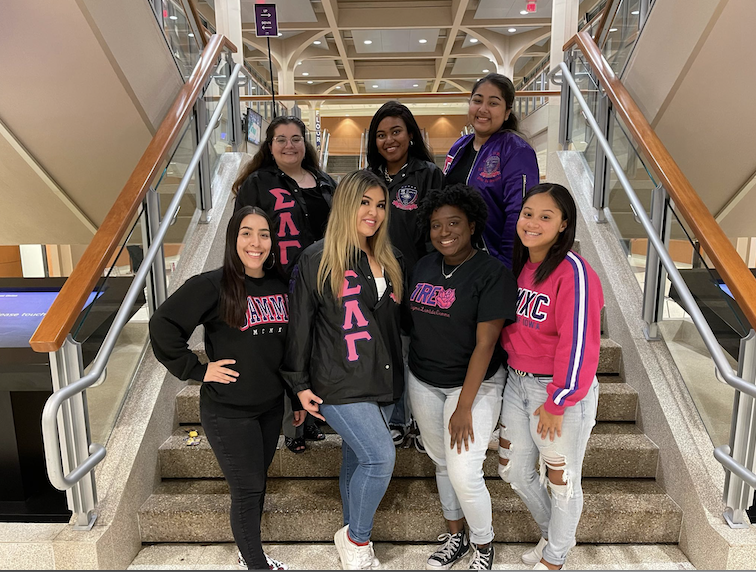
{"x": 244, "y": 448}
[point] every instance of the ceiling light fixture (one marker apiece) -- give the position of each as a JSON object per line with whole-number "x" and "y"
{"x": 338, "y": 87}
{"x": 473, "y": 40}
{"x": 374, "y": 85}
{"x": 173, "y": 17}
{"x": 485, "y": 71}
{"x": 317, "y": 42}
{"x": 414, "y": 85}
{"x": 423, "y": 41}
{"x": 305, "y": 73}
{"x": 309, "y": 81}
{"x": 190, "y": 35}
{"x": 512, "y": 30}
{"x": 524, "y": 12}
{"x": 280, "y": 34}
{"x": 612, "y": 29}
{"x": 367, "y": 42}
{"x": 635, "y": 12}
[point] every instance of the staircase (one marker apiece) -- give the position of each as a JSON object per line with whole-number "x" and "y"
{"x": 623, "y": 502}
{"x": 339, "y": 165}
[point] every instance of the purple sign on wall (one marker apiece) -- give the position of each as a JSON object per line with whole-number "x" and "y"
{"x": 266, "y": 22}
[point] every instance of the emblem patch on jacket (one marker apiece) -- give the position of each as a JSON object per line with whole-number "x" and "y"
{"x": 491, "y": 166}
{"x": 406, "y": 198}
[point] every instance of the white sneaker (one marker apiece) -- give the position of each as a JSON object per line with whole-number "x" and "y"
{"x": 534, "y": 555}
{"x": 354, "y": 557}
{"x": 540, "y": 566}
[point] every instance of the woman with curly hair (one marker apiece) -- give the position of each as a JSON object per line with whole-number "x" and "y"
{"x": 460, "y": 298}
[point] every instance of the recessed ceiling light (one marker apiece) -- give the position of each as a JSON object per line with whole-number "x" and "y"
{"x": 367, "y": 42}
{"x": 414, "y": 85}
{"x": 374, "y": 85}
{"x": 305, "y": 73}
{"x": 299, "y": 63}
{"x": 473, "y": 40}
{"x": 346, "y": 115}
{"x": 309, "y": 81}
{"x": 190, "y": 35}
{"x": 280, "y": 34}
{"x": 423, "y": 41}
{"x": 485, "y": 71}
{"x": 635, "y": 12}
{"x": 512, "y": 30}
{"x": 446, "y": 104}
{"x": 612, "y": 29}
{"x": 317, "y": 42}
{"x": 524, "y": 12}
{"x": 338, "y": 87}
{"x": 173, "y": 17}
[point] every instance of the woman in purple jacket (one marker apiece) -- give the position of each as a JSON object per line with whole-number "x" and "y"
{"x": 495, "y": 160}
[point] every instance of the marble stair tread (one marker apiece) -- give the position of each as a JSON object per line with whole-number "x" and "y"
{"x": 635, "y": 511}
{"x": 616, "y": 450}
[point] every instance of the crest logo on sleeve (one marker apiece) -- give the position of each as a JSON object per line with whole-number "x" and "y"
{"x": 491, "y": 167}
{"x": 406, "y": 198}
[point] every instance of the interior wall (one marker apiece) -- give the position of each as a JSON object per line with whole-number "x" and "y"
{"x": 443, "y": 131}
{"x": 10, "y": 262}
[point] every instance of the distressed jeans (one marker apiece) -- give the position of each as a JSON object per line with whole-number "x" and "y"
{"x": 367, "y": 461}
{"x": 459, "y": 476}
{"x": 557, "y": 515}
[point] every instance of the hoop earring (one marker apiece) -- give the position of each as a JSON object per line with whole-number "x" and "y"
{"x": 272, "y": 259}
{"x": 411, "y": 142}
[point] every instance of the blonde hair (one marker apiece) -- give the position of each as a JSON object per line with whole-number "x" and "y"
{"x": 341, "y": 249}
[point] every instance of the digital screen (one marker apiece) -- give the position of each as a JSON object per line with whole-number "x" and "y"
{"x": 21, "y": 313}
{"x": 254, "y": 126}
{"x": 726, "y": 289}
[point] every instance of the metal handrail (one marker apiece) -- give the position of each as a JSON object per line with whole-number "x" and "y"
{"x": 50, "y": 433}
{"x": 689, "y": 302}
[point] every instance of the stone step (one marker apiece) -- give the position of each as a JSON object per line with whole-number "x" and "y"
{"x": 617, "y": 450}
{"x": 627, "y": 511}
{"x": 187, "y": 401}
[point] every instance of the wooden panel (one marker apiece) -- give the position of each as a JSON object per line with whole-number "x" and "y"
{"x": 10, "y": 262}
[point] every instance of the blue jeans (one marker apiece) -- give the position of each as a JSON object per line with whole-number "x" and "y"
{"x": 367, "y": 461}
{"x": 558, "y": 515}
{"x": 459, "y": 476}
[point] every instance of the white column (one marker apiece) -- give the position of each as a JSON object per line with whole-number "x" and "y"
{"x": 564, "y": 22}
{"x": 228, "y": 22}
{"x": 32, "y": 260}
{"x": 286, "y": 83}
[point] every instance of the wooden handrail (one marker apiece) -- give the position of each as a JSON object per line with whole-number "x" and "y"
{"x": 386, "y": 96}
{"x": 607, "y": 14}
{"x": 713, "y": 240}
{"x": 60, "y": 318}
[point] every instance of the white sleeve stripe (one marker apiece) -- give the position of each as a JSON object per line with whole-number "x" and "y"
{"x": 580, "y": 322}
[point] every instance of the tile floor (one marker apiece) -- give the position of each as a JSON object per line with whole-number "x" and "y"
{"x": 406, "y": 557}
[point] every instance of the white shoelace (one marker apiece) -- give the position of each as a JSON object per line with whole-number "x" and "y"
{"x": 480, "y": 560}
{"x": 452, "y": 542}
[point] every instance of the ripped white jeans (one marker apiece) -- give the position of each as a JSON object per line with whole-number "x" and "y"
{"x": 556, "y": 515}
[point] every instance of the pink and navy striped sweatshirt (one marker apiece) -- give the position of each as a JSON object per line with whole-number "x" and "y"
{"x": 558, "y": 329}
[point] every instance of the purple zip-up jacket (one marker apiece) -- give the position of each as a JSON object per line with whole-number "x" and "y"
{"x": 504, "y": 169}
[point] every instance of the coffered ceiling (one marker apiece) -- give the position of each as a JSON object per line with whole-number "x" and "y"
{"x": 413, "y": 46}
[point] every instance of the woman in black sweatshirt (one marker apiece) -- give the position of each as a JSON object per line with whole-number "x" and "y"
{"x": 244, "y": 309}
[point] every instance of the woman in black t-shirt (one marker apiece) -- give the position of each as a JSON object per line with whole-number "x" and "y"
{"x": 244, "y": 310}
{"x": 459, "y": 299}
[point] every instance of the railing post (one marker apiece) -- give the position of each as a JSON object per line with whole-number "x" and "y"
{"x": 565, "y": 105}
{"x": 601, "y": 170}
{"x": 737, "y": 493}
{"x": 655, "y": 279}
{"x": 73, "y": 430}
{"x": 204, "y": 193}
{"x": 235, "y": 116}
{"x": 157, "y": 287}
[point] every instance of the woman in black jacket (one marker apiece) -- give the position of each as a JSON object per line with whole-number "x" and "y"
{"x": 397, "y": 153}
{"x": 283, "y": 179}
{"x": 343, "y": 353}
{"x": 244, "y": 309}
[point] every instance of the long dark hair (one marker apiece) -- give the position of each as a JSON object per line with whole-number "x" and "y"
{"x": 233, "y": 294}
{"x": 507, "y": 89}
{"x": 558, "y": 251}
{"x": 264, "y": 157}
{"x": 417, "y": 148}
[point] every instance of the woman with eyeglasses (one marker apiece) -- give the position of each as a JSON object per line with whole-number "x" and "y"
{"x": 283, "y": 180}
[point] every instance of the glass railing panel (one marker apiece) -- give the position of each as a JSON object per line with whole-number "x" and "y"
{"x": 221, "y": 138}
{"x": 581, "y": 135}
{"x": 629, "y": 230}
{"x": 179, "y": 35}
{"x": 713, "y": 399}
{"x": 622, "y": 34}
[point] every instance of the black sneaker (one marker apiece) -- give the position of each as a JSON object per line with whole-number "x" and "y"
{"x": 482, "y": 558}
{"x": 455, "y": 547}
{"x": 398, "y": 433}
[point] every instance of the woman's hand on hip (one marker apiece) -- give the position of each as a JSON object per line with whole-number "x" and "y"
{"x": 311, "y": 403}
{"x": 219, "y": 373}
{"x": 461, "y": 428}
{"x": 548, "y": 424}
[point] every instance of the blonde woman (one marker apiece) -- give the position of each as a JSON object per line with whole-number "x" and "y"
{"x": 343, "y": 353}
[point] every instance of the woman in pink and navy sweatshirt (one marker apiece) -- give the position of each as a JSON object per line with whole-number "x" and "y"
{"x": 551, "y": 394}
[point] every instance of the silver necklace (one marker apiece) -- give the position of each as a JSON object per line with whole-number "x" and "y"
{"x": 390, "y": 178}
{"x": 447, "y": 276}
